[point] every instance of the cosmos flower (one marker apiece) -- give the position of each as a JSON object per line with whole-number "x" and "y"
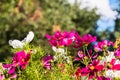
{"x": 2, "y": 76}
{"x": 102, "y": 45}
{"x": 94, "y": 67}
{"x": 81, "y": 72}
{"x": 83, "y": 41}
{"x": 80, "y": 55}
{"x": 10, "y": 69}
{"x": 46, "y": 61}
{"x": 21, "y": 59}
{"x": 117, "y": 52}
{"x": 61, "y": 39}
{"x": 19, "y": 44}
{"x": 113, "y": 65}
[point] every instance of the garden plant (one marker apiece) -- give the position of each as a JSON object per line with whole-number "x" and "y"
{"x": 74, "y": 57}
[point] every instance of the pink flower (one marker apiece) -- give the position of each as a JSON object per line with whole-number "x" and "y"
{"x": 84, "y": 41}
{"x": 78, "y": 41}
{"x": 46, "y": 61}
{"x": 10, "y": 69}
{"x": 80, "y": 55}
{"x": 94, "y": 67}
{"x": 102, "y": 45}
{"x": 87, "y": 39}
{"x": 113, "y": 66}
{"x": 2, "y": 77}
{"x": 68, "y": 38}
{"x": 81, "y": 72}
{"x": 61, "y": 39}
{"x": 56, "y": 39}
{"x": 21, "y": 59}
{"x": 117, "y": 53}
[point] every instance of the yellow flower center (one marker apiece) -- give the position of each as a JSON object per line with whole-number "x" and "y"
{"x": 92, "y": 67}
{"x": 109, "y": 65}
{"x": 23, "y": 60}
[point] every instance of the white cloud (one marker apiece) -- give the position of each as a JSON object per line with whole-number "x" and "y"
{"x": 102, "y": 7}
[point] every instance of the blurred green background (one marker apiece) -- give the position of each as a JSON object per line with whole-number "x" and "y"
{"x": 18, "y": 17}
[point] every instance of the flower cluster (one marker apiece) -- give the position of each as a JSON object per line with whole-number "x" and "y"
{"x": 81, "y": 57}
{"x": 95, "y": 60}
{"x": 20, "y": 60}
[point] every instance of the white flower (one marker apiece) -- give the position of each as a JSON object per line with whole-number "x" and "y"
{"x": 113, "y": 74}
{"x": 20, "y": 44}
{"x": 58, "y": 50}
{"x": 117, "y": 74}
{"x": 28, "y": 38}
{"x": 108, "y": 58}
{"x": 62, "y": 54}
{"x": 16, "y": 43}
{"x": 110, "y": 73}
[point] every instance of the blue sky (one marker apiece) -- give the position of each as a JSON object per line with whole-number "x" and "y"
{"x": 105, "y": 24}
{"x": 106, "y": 9}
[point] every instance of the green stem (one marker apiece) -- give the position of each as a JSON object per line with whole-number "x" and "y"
{"x": 88, "y": 54}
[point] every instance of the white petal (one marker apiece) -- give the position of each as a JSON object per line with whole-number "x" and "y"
{"x": 16, "y": 43}
{"x": 117, "y": 74}
{"x": 54, "y": 48}
{"x": 109, "y": 73}
{"x": 61, "y": 50}
{"x": 28, "y": 38}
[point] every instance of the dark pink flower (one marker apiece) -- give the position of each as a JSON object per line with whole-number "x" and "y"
{"x": 80, "y": 55}
{"x": 94, "y": 67}
{"x": 10, "y": 69}
{"x": 2, "y": 77}
{"x": 112, "y": 65}
{"x": 61, "y": 39}
{"x": 21, "y": 59}
{"x": 84, "y": 41}
{"x": 78, "y": 41}
{"x": 87, "y": 39}
{"x": 81, "y": 72}
{"x": 46, "y": 61}
{"x": 102, "y": 45}
{"x": 117, "y": 53}
{"x": 68, "y": 38}
{"x": 56, "y": 39}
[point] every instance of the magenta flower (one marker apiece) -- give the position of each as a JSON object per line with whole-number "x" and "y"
{"x": 21, "y": 59}
{"x": 84, "y": 41}
{"x": 80, "y": 55}
{"x": 61, "y": 39}
{"x": 102, "y": 45}
{"x": 81, "y": 72}
{"x": 117, "y": 53}
{"x": 94, "y": 67}
{"x": 87, "y": 39}
{"x": 2, "y": 77}
{"x": 78, "y": 41}
{"x": 46, "y": 61}
{"x": 68, "y": 38}
{"x": 10, "y": 69}
{"x": 113, "y": 66}
{"x": 56, "y": 39}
